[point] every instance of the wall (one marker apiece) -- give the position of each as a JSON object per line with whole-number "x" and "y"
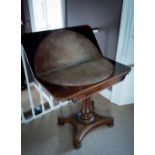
{"x": 104, "y": 14}
{"x": 25, "y": 17}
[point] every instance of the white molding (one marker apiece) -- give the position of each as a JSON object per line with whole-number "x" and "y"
{"x": 30, "y": 5}
{"x": 122, "y": 92}
{"x": 125, "y": 42}
{"x": 63, "y": 12}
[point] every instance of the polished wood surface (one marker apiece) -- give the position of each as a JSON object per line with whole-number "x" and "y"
{"x": 64, "y": 93}
{"x": 86, "y": 119}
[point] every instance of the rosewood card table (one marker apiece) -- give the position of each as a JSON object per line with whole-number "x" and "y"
{"x": 69, "y": 64}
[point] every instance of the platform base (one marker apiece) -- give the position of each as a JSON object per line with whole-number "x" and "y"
{"x": 84, "y": 121}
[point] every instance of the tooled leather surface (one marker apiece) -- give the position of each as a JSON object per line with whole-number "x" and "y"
{"x": 68, "y": 58}
{"x": 86, "y": 73}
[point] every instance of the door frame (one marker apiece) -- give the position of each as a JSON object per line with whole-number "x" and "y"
{"x": 122, "y": 93}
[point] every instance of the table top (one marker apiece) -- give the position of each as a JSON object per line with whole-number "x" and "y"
{"x": 83, "y": 74}
{"x": 31, "y": 41}
{"x": 71, "y": 92}
{"x": 68, "y": 58}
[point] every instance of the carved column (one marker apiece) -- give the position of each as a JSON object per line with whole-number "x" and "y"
{"x": 87, "y": 111}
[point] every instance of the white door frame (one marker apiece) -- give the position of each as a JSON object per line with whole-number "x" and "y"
{"x": 122, "y": 93}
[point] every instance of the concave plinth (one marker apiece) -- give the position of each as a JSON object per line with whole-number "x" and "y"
{"x": 84, "y": 121}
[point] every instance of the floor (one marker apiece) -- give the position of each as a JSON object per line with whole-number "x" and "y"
{"x": 42, "y": 136}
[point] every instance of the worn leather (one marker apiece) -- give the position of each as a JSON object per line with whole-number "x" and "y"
{"x": 68, "y": 58}
{"x": 78, "y": 75}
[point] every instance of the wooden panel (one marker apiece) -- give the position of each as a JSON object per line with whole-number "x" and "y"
{"x": 63, "y": 93}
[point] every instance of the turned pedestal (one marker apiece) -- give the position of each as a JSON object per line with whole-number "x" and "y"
{"x": 51, "y": 53}
{"x": 84, "y": 121}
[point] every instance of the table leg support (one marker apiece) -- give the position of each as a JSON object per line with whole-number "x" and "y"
{"x": 84, "y": 121}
